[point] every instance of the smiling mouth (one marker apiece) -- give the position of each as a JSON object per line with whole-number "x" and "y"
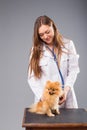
{"x": 47, "y": 39}
{"x": 51, "y": 93}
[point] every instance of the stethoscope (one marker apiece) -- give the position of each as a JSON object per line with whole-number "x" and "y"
{"x": 55, "y": 59}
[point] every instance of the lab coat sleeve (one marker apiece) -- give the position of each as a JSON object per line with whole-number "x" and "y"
{"x": 34, "y": 83}
{"x": 73, "y": 66}
{"x": 35, "y": 86}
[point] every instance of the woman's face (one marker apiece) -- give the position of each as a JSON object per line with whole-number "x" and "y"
{"x": 46, "y": 33}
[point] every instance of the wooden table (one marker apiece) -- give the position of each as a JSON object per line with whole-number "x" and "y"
{"x": 69, "y": 119}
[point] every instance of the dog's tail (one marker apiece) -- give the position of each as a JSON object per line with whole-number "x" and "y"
{"x": 32, "y": 108}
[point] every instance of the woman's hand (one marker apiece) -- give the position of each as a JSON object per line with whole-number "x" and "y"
{"x": 62, "y": 99}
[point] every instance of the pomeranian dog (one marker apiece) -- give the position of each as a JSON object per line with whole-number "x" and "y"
{"x": 50, "y": 98}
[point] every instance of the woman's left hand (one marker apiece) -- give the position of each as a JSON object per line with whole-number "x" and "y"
{"x": 62, "y": 99}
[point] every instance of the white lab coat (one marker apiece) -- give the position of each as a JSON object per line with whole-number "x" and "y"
{"x": 69, "y": 68}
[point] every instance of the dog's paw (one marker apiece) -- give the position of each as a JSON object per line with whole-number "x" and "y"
{"x": 50, "y": 115}
{"x": 56, "y": 112}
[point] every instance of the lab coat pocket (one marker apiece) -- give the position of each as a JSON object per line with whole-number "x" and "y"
{"x": 43, "y": 64}
{"x": 64, "y": 57}
{"x": 64, "y": 64}
{"x": 64, "y": 60}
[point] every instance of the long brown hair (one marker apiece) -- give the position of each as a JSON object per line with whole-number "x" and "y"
{"x": 38, "y": 46}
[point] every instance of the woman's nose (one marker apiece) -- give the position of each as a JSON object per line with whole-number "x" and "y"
{"x": 45, "y": 36}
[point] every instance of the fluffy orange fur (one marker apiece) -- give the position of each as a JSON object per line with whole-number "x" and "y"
{"x": 50, "y": 98}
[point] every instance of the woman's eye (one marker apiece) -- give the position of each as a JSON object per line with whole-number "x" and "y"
{"x": 41, "y": 35}
{"x": 48, "y": 32}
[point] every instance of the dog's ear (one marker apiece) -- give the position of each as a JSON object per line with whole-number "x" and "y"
{"x": 48, "y": 82}
{"x": 58, "y": 83}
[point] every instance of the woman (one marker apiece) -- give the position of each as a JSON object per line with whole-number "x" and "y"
{"x": 52, "y": 58}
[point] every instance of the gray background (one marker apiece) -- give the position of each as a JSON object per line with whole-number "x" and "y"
{"x": 16, "y": 27}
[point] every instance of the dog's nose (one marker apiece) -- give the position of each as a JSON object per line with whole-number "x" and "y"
{"x": 51, "y": 93}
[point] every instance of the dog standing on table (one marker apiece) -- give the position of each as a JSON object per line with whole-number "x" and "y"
{"x": 50, "y": 98}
